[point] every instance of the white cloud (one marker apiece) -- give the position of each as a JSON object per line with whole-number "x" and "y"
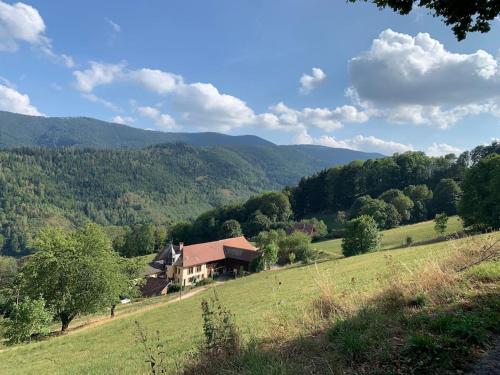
{"x": 20, "y": 22}
{"x": 114, "y": 26}
{"x": 163, "y": 121}
{"x": 98, "y": 74}
{"x": 408, "y": 79}
{"x": 155, "y": 80}
{"x": 13, "y": 101}
{"x": 96, "y": 99}
{"x": 319, "y": 118}
{"x": 310, "y": 82}
{"x": 359, "y": 142}
{"x": 439, "y": 149}
{"x": 122, "y": 120}
{"x": 202, "y": 106}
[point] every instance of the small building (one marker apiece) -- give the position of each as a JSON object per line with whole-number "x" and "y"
{"x": 306, "y": 228}
{"x": 186, "y": 265}
{"x": 154, "y": 286}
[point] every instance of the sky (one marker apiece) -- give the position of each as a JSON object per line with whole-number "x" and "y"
{"x": 324, "y": 72}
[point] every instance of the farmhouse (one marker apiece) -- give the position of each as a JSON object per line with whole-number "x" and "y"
{"x": 186, "y": 265}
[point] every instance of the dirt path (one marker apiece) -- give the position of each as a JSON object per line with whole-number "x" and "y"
{"x": 490, "y": 363}
{"x": 104, "y": 320}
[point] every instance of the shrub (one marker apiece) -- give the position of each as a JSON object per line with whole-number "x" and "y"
{"x": 409, "y": 240}
{"x": 27, "y": 319}
{"x": 361, "y": 236}
{"x": 440, "y": 223}
{"x": 174, "y": 287}
{"x": 222, "y": 337}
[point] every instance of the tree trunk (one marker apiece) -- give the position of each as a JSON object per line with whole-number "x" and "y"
{"x": 113, "y": 307}
{"x": 65, "y": 320}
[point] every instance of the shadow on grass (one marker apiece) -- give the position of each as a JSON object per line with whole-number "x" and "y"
{"x": 392, "y": 334}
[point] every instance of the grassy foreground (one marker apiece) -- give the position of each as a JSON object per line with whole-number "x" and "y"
{"x": 396, "y": 237}
{"x": 111, "y": 348}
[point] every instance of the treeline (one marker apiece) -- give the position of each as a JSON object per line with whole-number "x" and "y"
{"x": 404, "y": 188}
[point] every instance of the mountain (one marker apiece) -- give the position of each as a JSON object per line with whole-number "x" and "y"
{"x": 18, "y": 130}
{"x": 65, "y": 171}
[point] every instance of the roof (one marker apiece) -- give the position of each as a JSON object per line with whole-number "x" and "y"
{"x": 150, "y": 269}
{"x": 206, "y": 252}
{"x": 154, "y": 287}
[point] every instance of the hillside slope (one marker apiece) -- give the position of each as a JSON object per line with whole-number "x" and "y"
{"x": 283, "y": 293}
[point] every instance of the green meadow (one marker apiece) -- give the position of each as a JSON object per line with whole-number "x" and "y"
{"x": 396, "y": 237}
{"x": 111, "y": 347}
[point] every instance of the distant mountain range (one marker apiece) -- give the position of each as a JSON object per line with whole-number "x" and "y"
{"x": 18, "y": 130}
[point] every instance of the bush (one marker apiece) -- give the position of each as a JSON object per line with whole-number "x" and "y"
{"x": 361, "y": 236}
{"x": 222, "y": 337}
{"x": 298, "y": 243}
{"x": 440, "y": 223}
{"x": 27, "y": 319}
{"x": 203, "y": 282}
{"x": 174, "y": 287}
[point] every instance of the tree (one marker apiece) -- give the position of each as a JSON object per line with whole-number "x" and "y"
{"x": 297, "y": 243}
{"x": 385, "y": 214}
{"x": 257, "y": 223}
{"x": 440, "y": 223}
{"x": 401, "y": 202}
{"x": 129, "y": 280}
{"x": 421, "y": 196}
{"x": 463, "y": 16}
{"x": 8, "y": 272}
{"x": 361, "y": 236}
{"x": 75, "y": 272}
{"x": 27, "y": 318}
{"x": 269, "y": 255}
{"x": 446, "y": 197}
{"x": 480, "y": 204}
{"x": 230, "y": 228}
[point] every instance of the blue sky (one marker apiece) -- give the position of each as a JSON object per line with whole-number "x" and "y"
{"x": 318, "y": 71}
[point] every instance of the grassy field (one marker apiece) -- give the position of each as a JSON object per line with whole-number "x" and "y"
{"x": 395, "y": 238}
{"x": 111, "y": 348}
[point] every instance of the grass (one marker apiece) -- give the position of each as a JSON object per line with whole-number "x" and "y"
{"x": 112, "y": 349}
{"x": 396, "y": 237}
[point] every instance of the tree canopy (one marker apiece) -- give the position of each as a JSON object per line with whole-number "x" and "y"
{"x": 75, "y": 272}
{"x": 462, "y": 16}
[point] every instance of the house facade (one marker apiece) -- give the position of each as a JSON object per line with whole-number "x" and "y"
{"x": 187, "y": 265}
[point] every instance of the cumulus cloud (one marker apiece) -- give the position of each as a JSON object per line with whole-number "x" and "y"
{"x": 163, "y": 121}
{"x": 122, "y": 120}
{"x": 98, "y": 74}
{"x": 13, "y": 101}
{"x": 416, "y": 80}
{"x": 319, "y": 118}
{"x": 202, "y": 106}
{"x": 359, "y": 142}
{"x": 155, "y": 80}
{"x": 440, "y": 149}
{"x": 309, "y": 82}
{"x": 20, "y": 22}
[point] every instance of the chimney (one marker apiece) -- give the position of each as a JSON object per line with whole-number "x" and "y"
{"x": 181, "y": 245}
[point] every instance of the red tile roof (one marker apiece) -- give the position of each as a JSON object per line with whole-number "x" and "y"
{"x": 201, "y": 253}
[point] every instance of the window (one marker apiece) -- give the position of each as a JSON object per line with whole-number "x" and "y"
{"x": 198, "y": 269}
{"x": 190, "y": 270}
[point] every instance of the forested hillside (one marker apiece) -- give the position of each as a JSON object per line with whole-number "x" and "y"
{"x": 160, "y": 184}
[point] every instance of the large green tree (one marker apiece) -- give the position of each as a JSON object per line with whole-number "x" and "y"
{"x": 75, "y": 272}
{"x": 462, "y": 16}
{"x": 400, "y": 201}
{"x": 385, "y": 214}
{"x": 480, "y": 204}
{"x": 446, "y": 196}
{"x": 361, "y": 236}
